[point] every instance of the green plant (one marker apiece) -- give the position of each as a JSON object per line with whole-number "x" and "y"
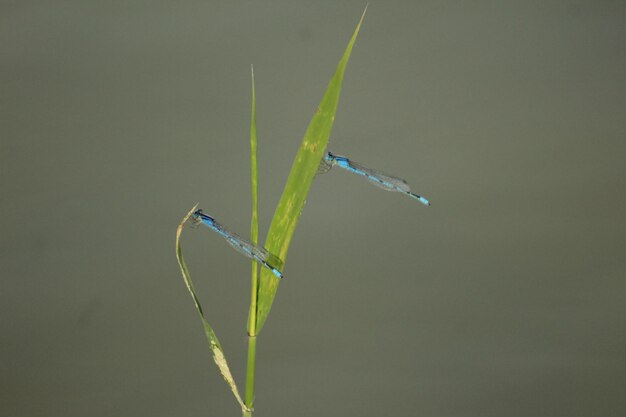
{"x": 264, "y": 283}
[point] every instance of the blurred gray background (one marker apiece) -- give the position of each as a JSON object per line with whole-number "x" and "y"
{"x": 505, "y": 298}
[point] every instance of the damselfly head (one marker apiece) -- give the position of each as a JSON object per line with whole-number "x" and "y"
{"x": 331, "y": 158}
{"x": 195, "y": 218}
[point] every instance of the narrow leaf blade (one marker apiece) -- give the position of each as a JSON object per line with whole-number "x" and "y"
{"x": 216, "y": 348}
{"x": 254, "y": 238}
{"x": 254, "y": 224}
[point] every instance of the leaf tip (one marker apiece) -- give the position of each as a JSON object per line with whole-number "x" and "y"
{"x": 179, "y": 230}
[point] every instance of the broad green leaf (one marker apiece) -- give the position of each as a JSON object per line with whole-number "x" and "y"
{"x": 216, "y": 348}
{"x": 299, "y": 182}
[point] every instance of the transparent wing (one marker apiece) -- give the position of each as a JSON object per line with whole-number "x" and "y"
{"x": 246, "y": 248}
{"x": 273, "y": 260}
{"x": 240, "y": 244}
{"x": 382, "y": 180}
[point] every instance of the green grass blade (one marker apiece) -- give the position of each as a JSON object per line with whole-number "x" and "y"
{"x": 254, "y": 238}
{"x": 216, "y": 348}
{"x": 254, "y": 227}
{"x": 299, "y": 182}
